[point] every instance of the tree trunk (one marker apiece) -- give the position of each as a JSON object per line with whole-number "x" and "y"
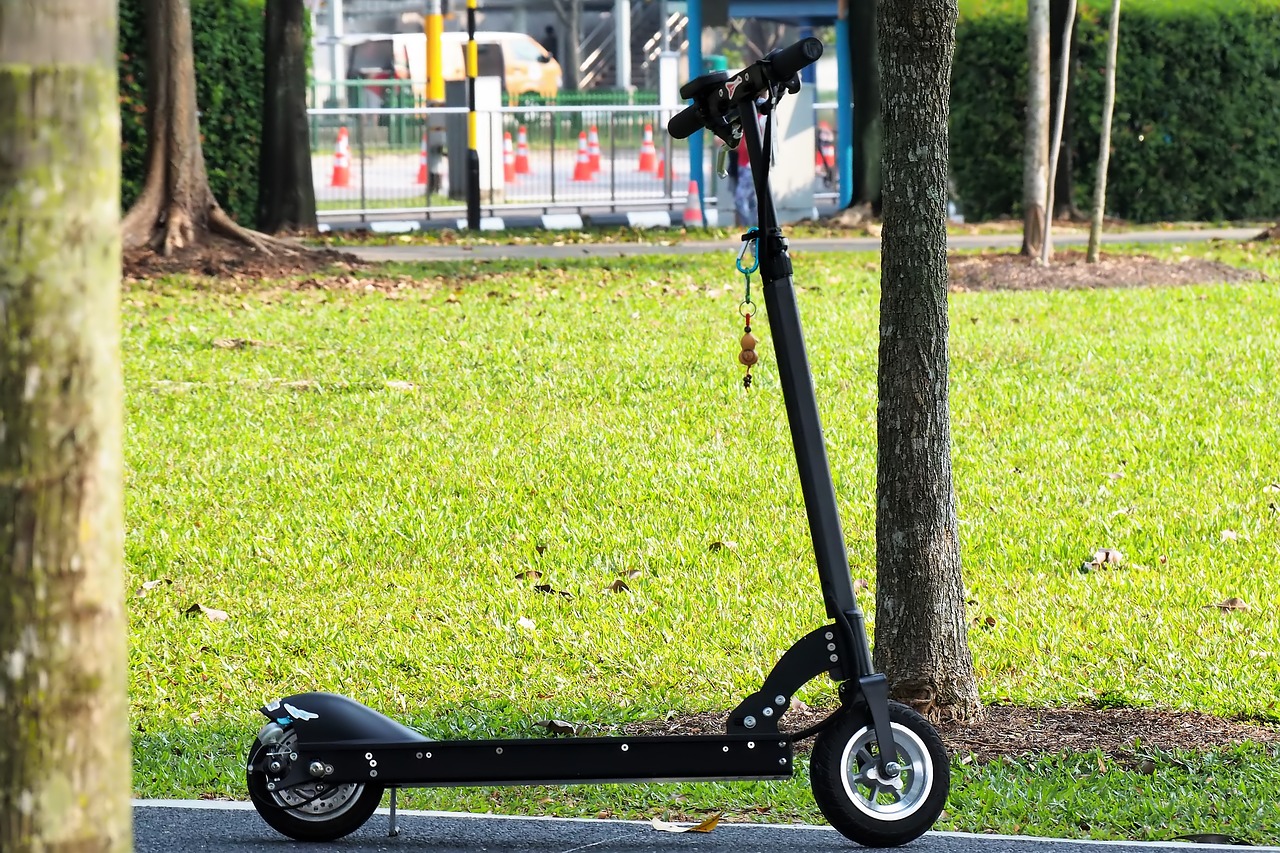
{"x": 64, "y": 728}
{"x": 286, "y": 194}
{"x": 921, "y": 629}
{"x": 1035, "y": 156}
{"x": 570, "y": 14}
{"x": 1064, "y": 80}
{"x": 1104, "y": 143}
{"x": 868, "y": 125}
{"x": 1062, "y": 13}
{"x": 176, "y": 207}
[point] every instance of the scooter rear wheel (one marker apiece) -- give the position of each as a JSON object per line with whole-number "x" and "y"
{"x": 857, "y": 800}
{"x": 306, "y": 812}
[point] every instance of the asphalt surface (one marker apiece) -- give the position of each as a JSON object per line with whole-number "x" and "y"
{"x": 500, "y": 251}
{"x": 233, "y": 828}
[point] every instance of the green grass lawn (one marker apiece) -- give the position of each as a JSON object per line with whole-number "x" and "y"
{"x": 359, "y": 489}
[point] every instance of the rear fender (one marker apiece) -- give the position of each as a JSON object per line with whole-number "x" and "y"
{"x": 329, "y": 718}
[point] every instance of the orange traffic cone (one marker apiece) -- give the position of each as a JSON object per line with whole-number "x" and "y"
{"x": 341, "y": 161}
{"x": 522, "y": 152}
{"x": 693, "y": 207}
{"x": 648, "y": 153}
{"x": 582, "y": 169}
{"x": 508, "y": 159}
{"x": 422, "y": 163}
{"x": 593, "y": 150}
{"x": 662, "y": 169}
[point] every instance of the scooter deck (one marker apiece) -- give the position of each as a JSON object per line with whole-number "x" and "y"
{"x": 560, "y": 761}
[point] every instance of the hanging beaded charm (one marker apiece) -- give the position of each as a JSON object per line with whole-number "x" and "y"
{"x": 748, "y": 357}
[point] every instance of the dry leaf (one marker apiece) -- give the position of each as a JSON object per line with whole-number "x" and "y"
{"x": 629, "y": 573}
{"x": 452, "y": 299}
{"x": 797, "y": 705}
{"x": 547, "y": 589}
{"x": 1146, "y": 767}
{"x": 236, "y": 343}
{"x": 717, "y": 546}
{"x": 558, "y": 727}
{"x": 1230, "y": 536}
{"x": 1116, "y": 475}
{"x": 861, "y": 584}
{"x": 1271, "y": 488}
{"x": 150, "y": 585}
{"x": 213, "y": 614}
{"x": 540, "y": 547}
{"x": 706, "y": 826}
{"x": 400, "y": 385}
{"x": 618, "y": 586}
{"x": 531, "y": 575}
{"x": 1229, "y": 604}
{"x": 1164, "y": 558}
{"x": 1102, "y": 765}
{"x": 526, "y": 623}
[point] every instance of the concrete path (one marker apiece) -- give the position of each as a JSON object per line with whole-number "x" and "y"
{"x": 166, "y": 826}
{"x": 499, "y": 251}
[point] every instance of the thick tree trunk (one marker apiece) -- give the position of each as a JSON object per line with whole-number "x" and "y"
{"x": 1035, "y": 151}
{"x": 1061, "y": 14}
{"x": 868, "y": 125}
{"x": 1104, "y": 143}
{"x": 176, "y": 206}
{"x": 1059, "y": 121}
{"x": 286, "y": 194}
{"x": 921, "y": 629}
{"x": 64, "y": 729}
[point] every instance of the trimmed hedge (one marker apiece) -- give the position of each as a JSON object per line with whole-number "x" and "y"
{"x": 1196, "y": 129}
{"x": 227, "y": 36}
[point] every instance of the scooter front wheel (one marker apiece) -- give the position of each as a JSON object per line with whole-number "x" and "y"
{"x": 864, "y": 805}
{"x": 311, "y": 812}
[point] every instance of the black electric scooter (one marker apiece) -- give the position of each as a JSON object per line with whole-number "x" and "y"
{"x": 879, "y": 771}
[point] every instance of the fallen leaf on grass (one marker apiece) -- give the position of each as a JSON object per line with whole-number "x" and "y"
{"x": 720, "y": 546}
{"x": 400, "y": 385}
{"x": 618, "y": 586}
{"x": 1229, "y": 604}
{"x": 1230, "y": 536}
{"x": 558, "y": 727}
{"x": 629, "y": 573}
{"x": 150, "y": 585}
{"x": 1108, "y": 556}
{"x": 861, "y": 584}
{"x": 547, "y": 589}
{"x": 212, "y": 613}
{"x": 706, "y": 826}
{"x": 526, "y": 623}
{"x": 531, "y": 575}
{"x": 1271, "y": 488}
{"x": 236, "y": 343}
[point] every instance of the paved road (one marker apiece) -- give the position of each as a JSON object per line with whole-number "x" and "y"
{"x": 162, "y": 827}
{"x": 848, "y": 244}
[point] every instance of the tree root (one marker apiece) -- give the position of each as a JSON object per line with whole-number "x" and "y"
{"x": 220, "y": 223}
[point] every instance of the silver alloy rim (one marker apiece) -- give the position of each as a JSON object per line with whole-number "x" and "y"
{"x": 886, "y": 799}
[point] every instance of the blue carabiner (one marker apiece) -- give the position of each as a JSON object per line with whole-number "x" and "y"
{"x": 752, "y": 240}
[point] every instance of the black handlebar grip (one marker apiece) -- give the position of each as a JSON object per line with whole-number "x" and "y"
{"x": 686, "y": 123}
{"x": 785, "y": 63}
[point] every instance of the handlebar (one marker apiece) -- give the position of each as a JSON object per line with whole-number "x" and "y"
{"x": 716, "y": 95}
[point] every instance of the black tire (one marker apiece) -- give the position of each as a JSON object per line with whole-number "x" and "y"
{"x": 859, "y": 808}
{"x": 344, "y": 818}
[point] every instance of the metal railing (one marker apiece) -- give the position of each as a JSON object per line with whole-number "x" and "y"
{"x": 405, "y": 161}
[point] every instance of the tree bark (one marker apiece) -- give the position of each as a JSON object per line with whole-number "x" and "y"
{"x": 1035, "y": 156}
{"x": 570, "y": 14}
{"x": 1055, "y": 147}
{"x": 1061, "y": 14}
{"x": 64, "y": 728}
{"x": 1104, "y": 143}
{"x": 286, "y": 194}
{"x": 921, "y": 629}
{"x": 868, "y": 125}
{"x": 176, "y": 207}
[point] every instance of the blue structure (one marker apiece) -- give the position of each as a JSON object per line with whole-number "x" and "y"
{"x": 804, "y": 13}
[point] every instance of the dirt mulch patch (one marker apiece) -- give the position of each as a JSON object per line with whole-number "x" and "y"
{"x": 1069, "y": 271}
{"x": 1011, "y": 730}
{"x": 220, "y": 257}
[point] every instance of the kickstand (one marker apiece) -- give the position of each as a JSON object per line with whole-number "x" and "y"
{"x": 393, "y": 830}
